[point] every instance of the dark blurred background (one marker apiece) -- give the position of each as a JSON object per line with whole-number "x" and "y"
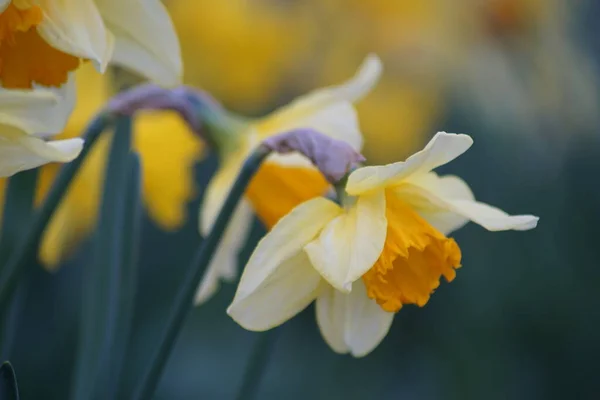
{"x": 521, "y": 320}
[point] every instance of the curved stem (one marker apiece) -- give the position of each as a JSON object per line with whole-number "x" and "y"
{"x": 19, "y": 261}
{"x": 184, "y": 300}
{"x": 257, "y": 365}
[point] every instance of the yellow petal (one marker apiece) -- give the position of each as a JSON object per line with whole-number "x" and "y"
{"x": 145, "y": 39}
{"x": 443, "y": 148}
{"x": 455, "y": 204}
{"x": 286, "y": 291}
{"x": 20, "y": 151}
{"x": 350, "y": 244}
{"x": 169, "y": 151}
{"x": 285, "y": 240}
{"x": 352, "y": 322}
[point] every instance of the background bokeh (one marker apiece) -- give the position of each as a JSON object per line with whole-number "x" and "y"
{"x": 521, "y": 320}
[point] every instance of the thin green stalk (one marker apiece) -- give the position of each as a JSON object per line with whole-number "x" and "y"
{"x": 101, "y": 283}
{"x": 183, "y": 302}
{"x": 129, "y": 269}
{"x": 257, "y": 365}
{"x": 19, "y": 261}
{"x": 9, "y": 390}
{"x": 18, "y": 209}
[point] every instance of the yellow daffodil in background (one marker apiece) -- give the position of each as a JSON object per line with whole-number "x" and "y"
{"x": 27, "y": 119}
{"x": 242, "y": 52}
{"x": 283, "y": 181}
{"x": 384, "y": 247}
{"x": 41, "y": 42}
{"x": 168, "y": 151}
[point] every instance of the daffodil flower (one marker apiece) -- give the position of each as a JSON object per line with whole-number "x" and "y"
{"x": 283, "y": 181}
{"x": 42, "y": 41}
{"x": 168, "y": 150}
{"x": 27, "y": 119}
{"x": 384, "y": 247}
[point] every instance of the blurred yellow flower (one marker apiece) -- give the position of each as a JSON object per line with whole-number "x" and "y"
{"x": 241, "y": 51}
{"x": 168, "y": 151}
{"x": 283, "y": 181}
{"x": 390, "y": 231}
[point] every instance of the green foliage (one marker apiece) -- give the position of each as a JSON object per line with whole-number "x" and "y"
{"x": 9, "y": 389}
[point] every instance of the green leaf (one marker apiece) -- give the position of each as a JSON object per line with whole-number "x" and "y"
{"x": 9, "y": 389}
{"x": 18, "y": 209}
{"x": 184, "y": 301}
{"x": 129, "y": 270}
{"x": 18, "y": 262}
{"x": 102, "y": 287}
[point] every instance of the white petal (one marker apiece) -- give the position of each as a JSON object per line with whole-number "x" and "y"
{"x": 351, "y": 323}
{"x": 285, "y": 240}
{"x": 329, "y": 109}
{"x": 224, "y": 264}
{"x": 428, "y": 194}
{"x": 20, "y": 151}
{"x": 145, "y": 39}
{"x": 492, "y": 218}
{"x": 76, "y": 27}
{"x": 286, "y": 291}
{"x": 331, "y": 318}
{"x": 443, "y": 148}
{"x": 448, "y": 203}
{"x": 350, "y": 244}
{"x": 39, "y": 111}
{"x": 366, "y": 322}
{"x": 338, "y": 121}
{"x": 4, "y": 4}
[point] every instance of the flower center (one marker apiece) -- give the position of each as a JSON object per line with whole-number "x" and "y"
{"x": 414, "y": 258}
{"x": 26, "y": 58}
{"x": 275, "y": 190}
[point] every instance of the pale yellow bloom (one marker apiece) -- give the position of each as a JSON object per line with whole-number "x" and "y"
{"x": 390, "y": 231}
{"x": 168, "y": 151}
{"x": 283, "y": 181}
{"x": 42, "y": 41}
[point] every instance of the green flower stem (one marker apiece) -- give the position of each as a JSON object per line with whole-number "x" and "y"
{"x": 19, "y": 261}
{"x": 9, "y": 390}
{"x": 184, "y": 299}
{"x": 257, "y": 364}
{"x": 129, "y": 268}
{"x": 102, "y": 286}
{"x": 18, "y": 209}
